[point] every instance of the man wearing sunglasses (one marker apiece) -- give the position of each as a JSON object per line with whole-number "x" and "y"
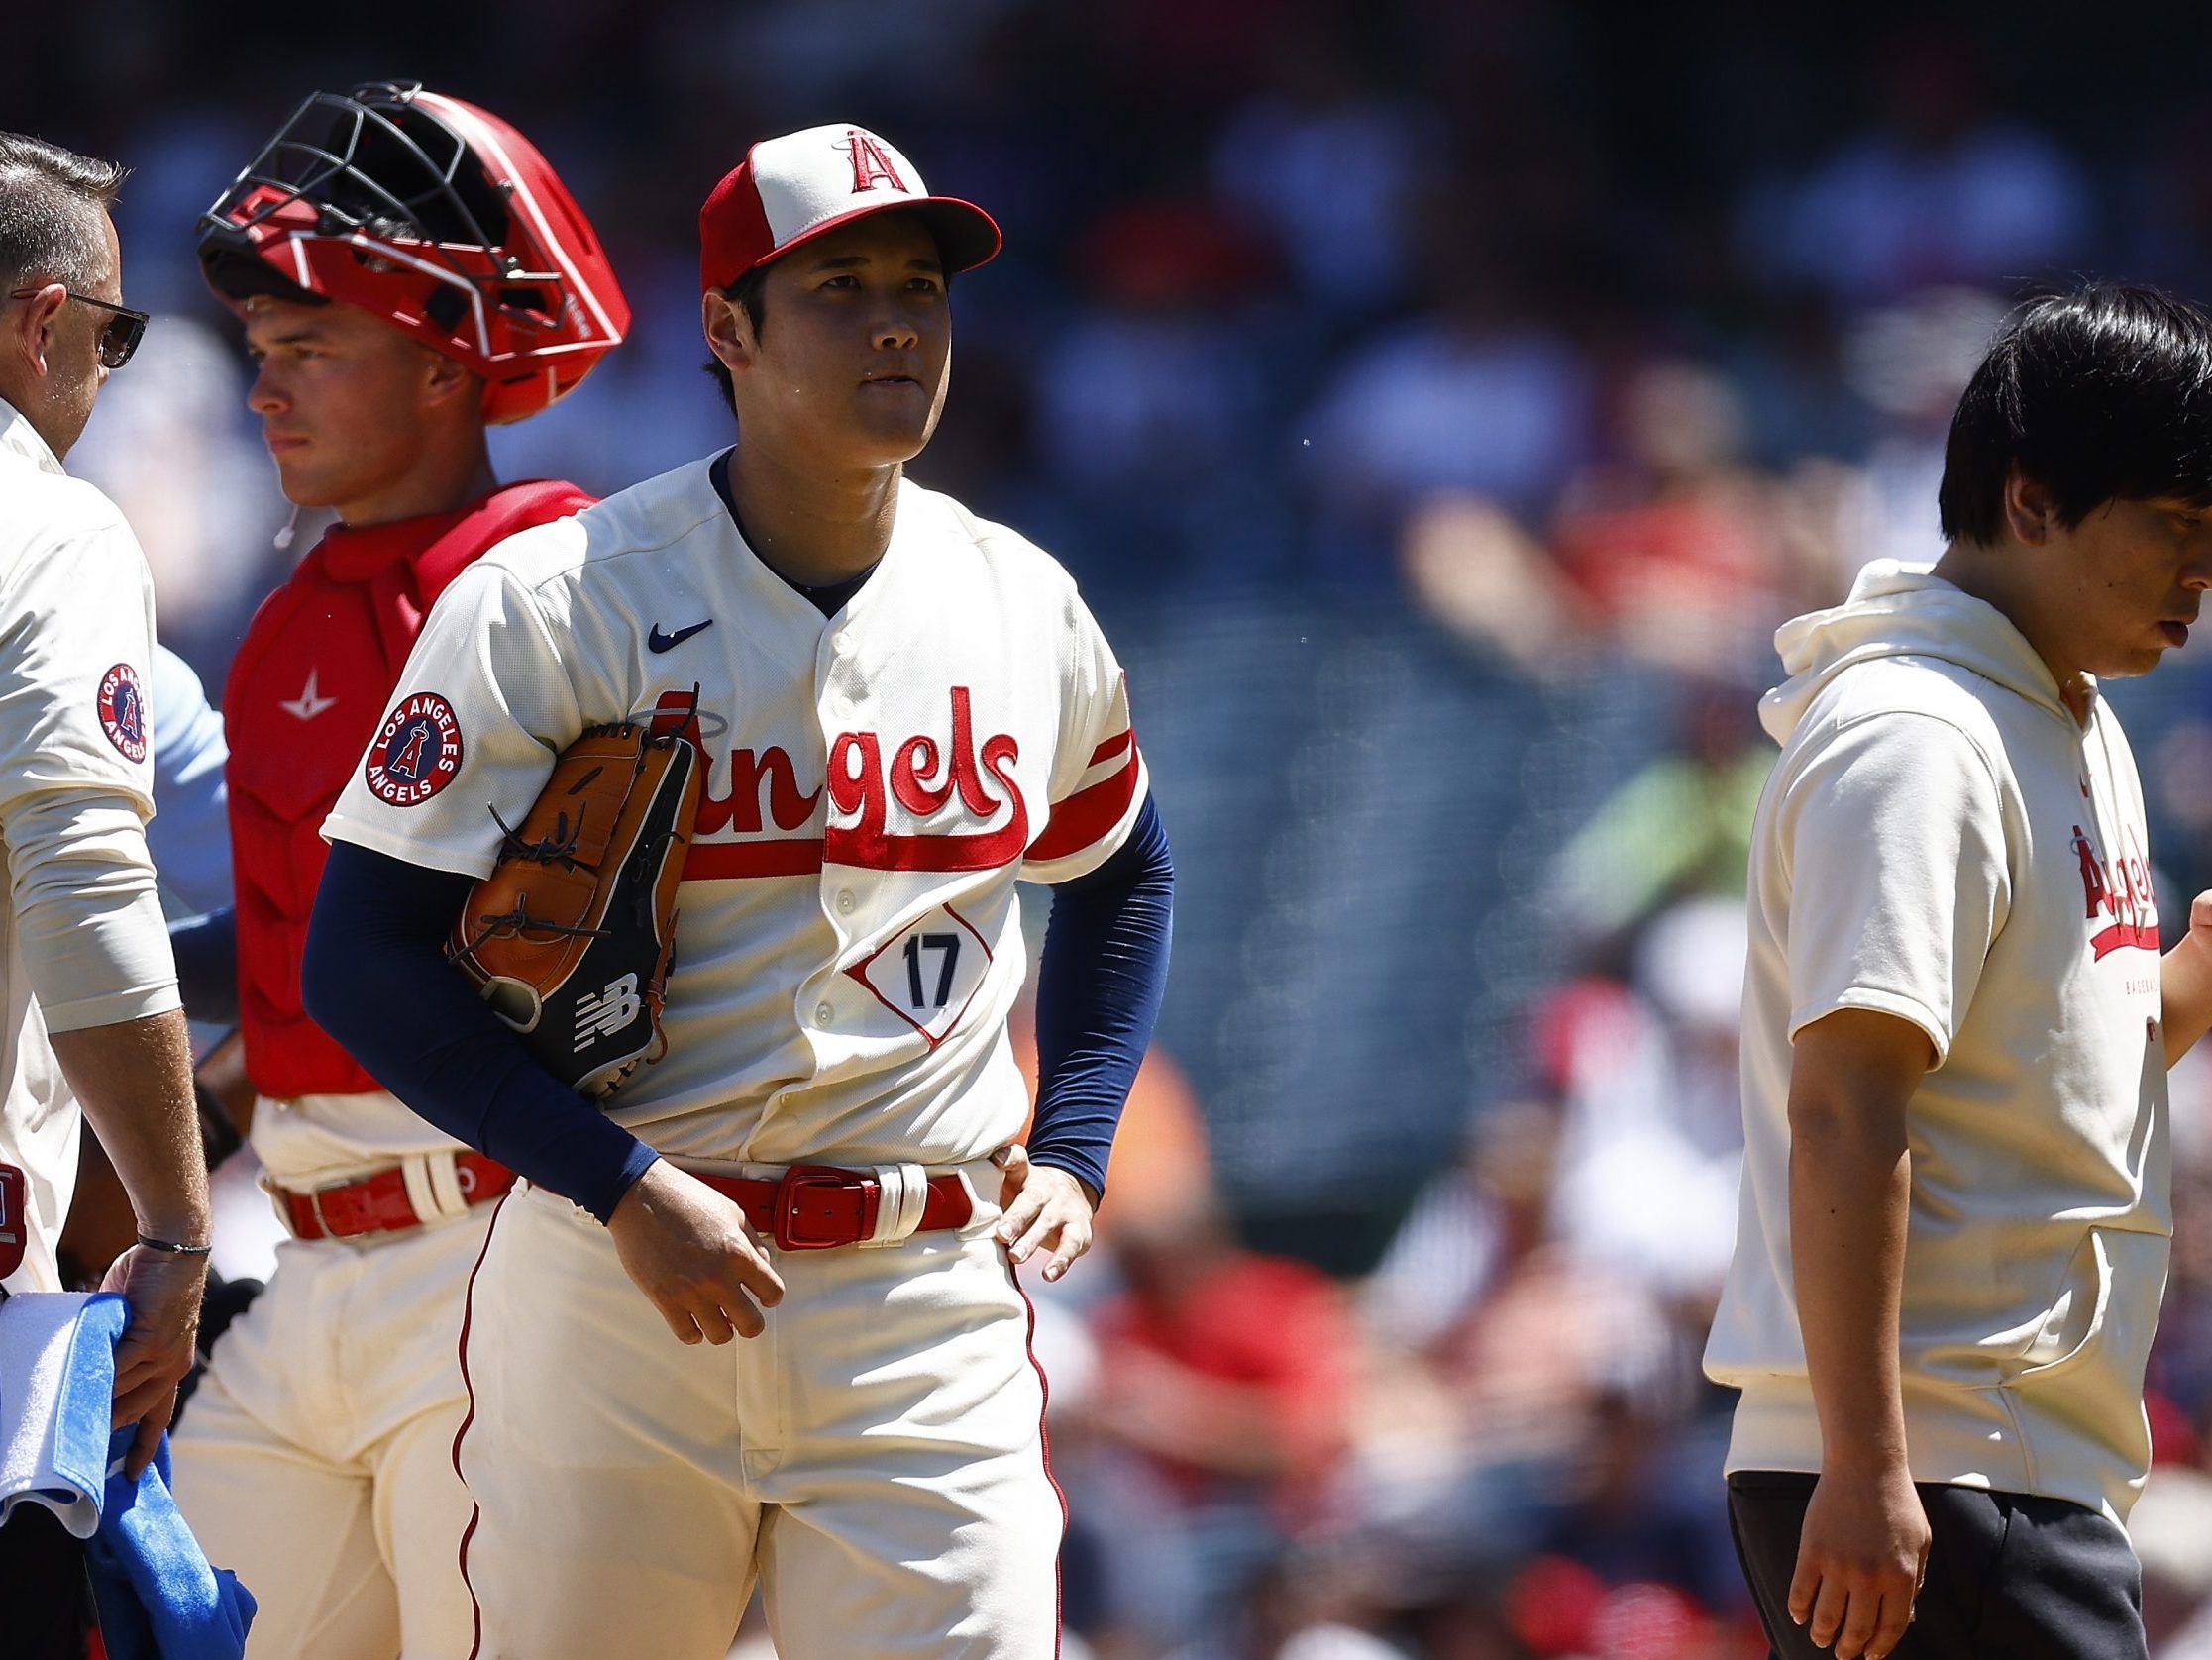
{"x": 91, "y": 1014}
{"x": 119, "y": 334}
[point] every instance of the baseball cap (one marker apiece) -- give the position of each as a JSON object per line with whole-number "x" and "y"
{"x": 791, "y": 189}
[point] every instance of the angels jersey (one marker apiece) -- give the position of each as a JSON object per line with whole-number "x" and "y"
{"x": 848, "y": 944}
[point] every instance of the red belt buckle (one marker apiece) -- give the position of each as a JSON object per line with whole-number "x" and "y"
{"x": 798, "y": 1179}
{"x": 343, "y": 1211}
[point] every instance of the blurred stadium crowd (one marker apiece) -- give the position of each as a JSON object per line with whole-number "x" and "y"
{"x": 1443, "y": 400}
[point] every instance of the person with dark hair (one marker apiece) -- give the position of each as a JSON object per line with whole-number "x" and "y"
{"x": 749, "y": 294}
{"x": 1956, "y": 1026}
{"x": 903, "y": 712}
{"x": 2101, "y": 395}
{"x": 92, "y": 1015}
{"x": 408, "y": 271}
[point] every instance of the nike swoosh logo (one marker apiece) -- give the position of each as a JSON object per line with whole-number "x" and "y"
{"x": 307, "y": 706}
{"x": 660, "y": 642}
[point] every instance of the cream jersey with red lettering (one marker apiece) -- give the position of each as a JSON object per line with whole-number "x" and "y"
{"x": 849, "y": 943}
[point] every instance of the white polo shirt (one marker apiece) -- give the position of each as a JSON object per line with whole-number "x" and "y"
{"x": 83, "y": 942}
{"x": 1942, "y": 841}
{"x": 848, "y": 945}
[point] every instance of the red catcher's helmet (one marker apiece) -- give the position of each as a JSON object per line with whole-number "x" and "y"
{"x": 435, "y": 215}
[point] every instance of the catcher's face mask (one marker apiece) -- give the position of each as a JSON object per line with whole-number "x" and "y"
{"x": 436, "y": 216}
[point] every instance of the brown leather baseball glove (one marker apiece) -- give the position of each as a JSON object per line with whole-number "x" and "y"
{"x": 570, "y": 935}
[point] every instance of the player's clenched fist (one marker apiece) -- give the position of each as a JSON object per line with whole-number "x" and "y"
{"x": 1046, "y": 1209}
{"x": 689, "y": 1250}
{"x": 1860, "y": 1562}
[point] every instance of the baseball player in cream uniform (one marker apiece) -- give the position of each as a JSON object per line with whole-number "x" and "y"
{"x": 903, "y": 715}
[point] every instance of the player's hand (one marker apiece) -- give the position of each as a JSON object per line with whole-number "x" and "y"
{"x": 163, "y": 1290}
{"x": 2186, "y": 984}
{"x": 689, "y": 1250}
{"x": 1861, "y": 1560}
{"x": 1046, "y": 1209}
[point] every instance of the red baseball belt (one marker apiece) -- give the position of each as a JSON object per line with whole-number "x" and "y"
{"x": 380, "y": 1202}
{"x": 816, "y": 1207}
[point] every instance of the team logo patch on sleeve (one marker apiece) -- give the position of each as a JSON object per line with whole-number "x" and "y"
{"x": 123, "y": 711}
{"x": 416, "y": 754}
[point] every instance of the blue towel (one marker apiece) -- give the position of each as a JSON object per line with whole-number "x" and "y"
{"x": 157, "y": 1596}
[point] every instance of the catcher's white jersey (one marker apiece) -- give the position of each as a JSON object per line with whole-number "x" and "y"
{"x": 76, "y": 643}
{"x": 849, "y": 943}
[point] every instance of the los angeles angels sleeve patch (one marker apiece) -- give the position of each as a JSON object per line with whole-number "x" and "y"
{"x": 123, "y": 711}
{"x": 417, "y": 752}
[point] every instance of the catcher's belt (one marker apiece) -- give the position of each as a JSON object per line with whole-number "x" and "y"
{"x": 570, "y": 935}
{"x": 393, "y": 1199}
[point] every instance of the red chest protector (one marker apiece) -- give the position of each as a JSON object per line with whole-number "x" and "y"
{"x": 306, "y": 690}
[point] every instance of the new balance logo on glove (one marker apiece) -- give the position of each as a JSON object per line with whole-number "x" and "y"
{"x": 607, "y": 1012}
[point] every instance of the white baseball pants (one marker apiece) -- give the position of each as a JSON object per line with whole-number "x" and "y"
{"x": 316, "y": 1458}
{"x": 875, "y": 1458}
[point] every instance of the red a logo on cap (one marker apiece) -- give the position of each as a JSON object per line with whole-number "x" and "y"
{"x": 871, "y": 167}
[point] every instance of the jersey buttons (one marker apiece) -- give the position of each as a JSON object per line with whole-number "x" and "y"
{"x": 841, "y": 642}
{"x": 845, "y": 902}
{"x": 825, "y": 1013}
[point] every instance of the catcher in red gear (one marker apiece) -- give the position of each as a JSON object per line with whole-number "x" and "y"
{"x": 408, "y": 269}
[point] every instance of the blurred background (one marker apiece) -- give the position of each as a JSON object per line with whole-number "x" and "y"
{"x": 1441, "y": 403}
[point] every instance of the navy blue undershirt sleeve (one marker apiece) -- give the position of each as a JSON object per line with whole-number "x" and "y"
{"x": 207, "y": 949}
{"x": 1103, "y": 970}
{"x": 376, "y": 977}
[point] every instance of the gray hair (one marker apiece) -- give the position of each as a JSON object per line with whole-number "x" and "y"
{"x": 51, "y": 201}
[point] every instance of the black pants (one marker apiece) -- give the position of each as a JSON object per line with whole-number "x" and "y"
{"x": 2010, "y": 1575}
{"x": 44, "y": 1612}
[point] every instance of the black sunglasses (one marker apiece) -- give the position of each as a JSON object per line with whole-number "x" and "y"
{"x": 125, "y": 326}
